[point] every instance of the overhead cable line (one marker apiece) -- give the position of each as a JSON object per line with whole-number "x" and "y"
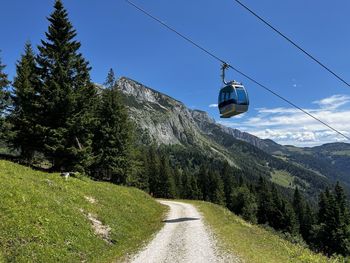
{"x": 211, "y": 54}
{"x": 293, "y": 43}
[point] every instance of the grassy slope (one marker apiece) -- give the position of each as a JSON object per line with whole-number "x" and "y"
{"x": 41, "y": 218}
{"x": 253, "y": 243}
{"x": 282, "y": 178}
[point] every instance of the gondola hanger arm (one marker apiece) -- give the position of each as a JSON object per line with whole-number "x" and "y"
{"x": 224, "y": 67}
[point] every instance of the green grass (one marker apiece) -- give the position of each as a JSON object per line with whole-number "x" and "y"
{"x": 43, "y": 218}
{"x": 253, "y": 243}
{"x": 341, "y": 153}
{"x": 282, "y": 178}
{"x": 298, "y": 150}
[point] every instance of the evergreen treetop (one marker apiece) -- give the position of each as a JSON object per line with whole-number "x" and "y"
{"x": 110, "y": 82}
{"x": 4, "y": 83}
{"x": 26, "y": 107}
{"x": 4, "y": 100}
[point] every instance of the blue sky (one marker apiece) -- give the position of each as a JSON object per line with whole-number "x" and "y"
{"x": 113, "y": 34}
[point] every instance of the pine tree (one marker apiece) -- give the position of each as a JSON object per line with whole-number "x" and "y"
{"x": 112, "y": 139}
{"x": 340, "y": 199}
{"x": 139, "y": 176}
{"x": 177, "y": 182}
{"x": 216, "y": 188}
{"x": 265, "y": 203}
{"x": 341, "y": 233}
{"x": 166, "y": 179}
{"x": 152, "y": 169}
{"x": 323, "y": 206}
{"x": 67, "y": 96}
{"x": 308, "y": 223}
{"x": 186, "y": 188}
{"x": 229, "y": 183}
{"x": 333, "y": 231}
{"x": 4, "y": 83}
{"x": 276, "y": 216}
{"x": 244, "y": 203}
{"x": 299, "y": 207}
{"x": 282, "y": 217}
{"x": 110, "y": 82}
{"x": 196, "y": 193}
{"x": 289, "y": 221}
{"x": 4, "y": 99}
{"x": 204, "y": 183}
{"x": 26, "y": 108}
{"x": 304, "y": 215}
{"x": 189, "y": 186}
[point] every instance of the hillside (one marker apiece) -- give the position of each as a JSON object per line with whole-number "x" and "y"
{"x": 163, "y": 120}
{"x": 253, "y": 243}
{"x": 44, "y": 218}
{"x": 331, "y": 160}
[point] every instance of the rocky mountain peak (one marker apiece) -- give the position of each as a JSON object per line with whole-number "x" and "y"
{"x": 202, "y": 116}
{"x": 164, "y": 119}
{"x": 142, "y": 93}
{"x": 169, "y": 121}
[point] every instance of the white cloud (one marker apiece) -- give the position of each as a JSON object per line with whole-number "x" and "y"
{"x": 333, "y": 102}
{"x": 213, "y": 105}
{"x": 277, "y": 110}
{"x": 291, "y": 126}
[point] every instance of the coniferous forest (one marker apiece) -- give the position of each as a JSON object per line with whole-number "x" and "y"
{"x": 54, "y": 118}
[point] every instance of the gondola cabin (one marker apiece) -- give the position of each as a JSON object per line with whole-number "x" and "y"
{"x": 233, "y": 100}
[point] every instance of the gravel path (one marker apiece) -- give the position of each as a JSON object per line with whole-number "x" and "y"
{"x": 184, "y": 238}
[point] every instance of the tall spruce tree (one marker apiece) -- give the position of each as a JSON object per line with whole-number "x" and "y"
{"x": 304, "y": 214}
{"x": 243, "y": 202}
{"x": 139, "y": 176}
{"x": 308, "y": 223}
{"x": 112, "y": 140}
{"x": 216, "y": 188}
{"x": 204, "y": 182}
{"x": 341, "y": 201}
{"x": 166, "y": 179}
{"x": 333, "y": 230}
{"x": 189, "y": 186}
{"x": 265, "y": 203}
{"x": 66, "y": 94}
{"x": 4, "y": 98}
{"x": 299, "y": 207}
{"x": 26, "y": 107}
{"x": 229, "y": 183}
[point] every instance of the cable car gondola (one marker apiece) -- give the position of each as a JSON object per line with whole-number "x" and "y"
{"x": 233, "y": 97}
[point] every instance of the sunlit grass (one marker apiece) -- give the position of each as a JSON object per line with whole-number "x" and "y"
{"x": 253, "y": 243}
{"x": 43, "y": 217}
{"x": 282, "y": 178}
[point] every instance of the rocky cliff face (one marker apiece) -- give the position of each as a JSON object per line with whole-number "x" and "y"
{"x": 208, "y": 126}
{"x": 166, "y": 120}
{"x": 169, "y": 121}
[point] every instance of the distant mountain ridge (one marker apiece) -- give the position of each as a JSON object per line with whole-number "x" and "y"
{"x": 161, "y": 119}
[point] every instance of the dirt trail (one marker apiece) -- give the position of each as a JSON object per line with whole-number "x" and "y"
{"x": 184, "y": 238}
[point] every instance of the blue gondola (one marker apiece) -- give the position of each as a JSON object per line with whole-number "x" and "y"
{"x": 233, "y": 97}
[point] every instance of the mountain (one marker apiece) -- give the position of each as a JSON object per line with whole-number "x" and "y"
{"x": 163, "y": 120}
{"x": 169, "y": 121}
{"x": 331, "y": 160}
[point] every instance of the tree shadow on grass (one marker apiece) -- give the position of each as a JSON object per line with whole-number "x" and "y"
{"x": 181, "y": 219}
